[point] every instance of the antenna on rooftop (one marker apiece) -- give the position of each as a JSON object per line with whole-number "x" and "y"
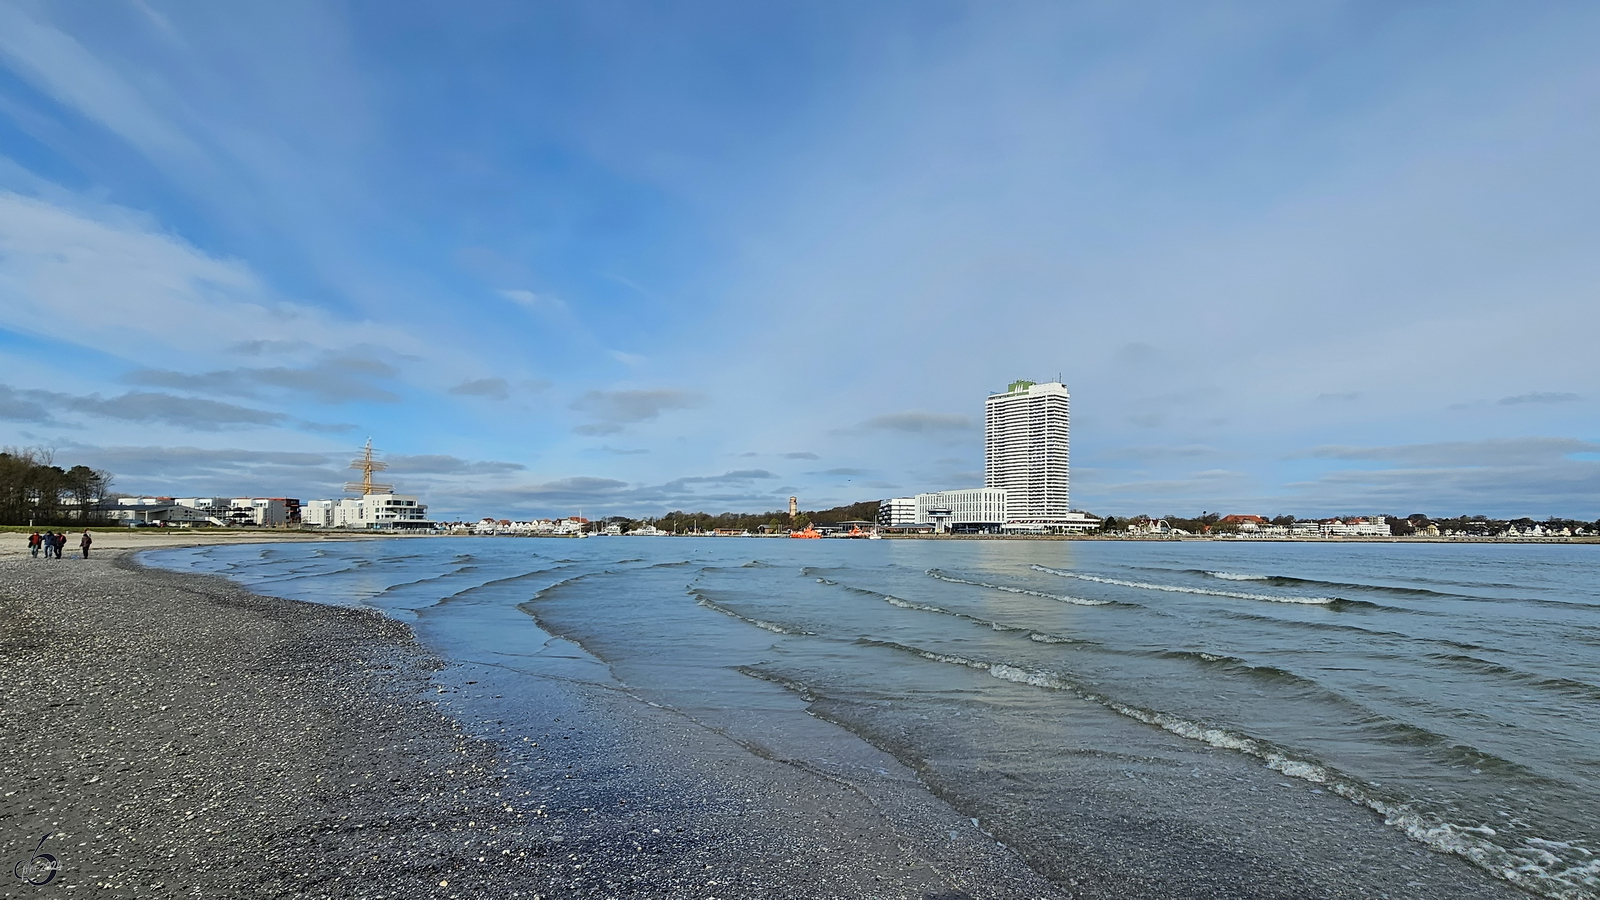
{"x": 368, "y": 464}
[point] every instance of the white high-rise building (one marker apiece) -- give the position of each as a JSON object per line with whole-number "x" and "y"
{"x": 1025, "y": 450}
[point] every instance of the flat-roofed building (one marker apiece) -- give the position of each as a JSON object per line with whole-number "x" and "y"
{"x": 897, "y": 511}
{"x": 1026, "y": 438}
{"x": 396, "y": 511}
{"x": 971, "y": 511}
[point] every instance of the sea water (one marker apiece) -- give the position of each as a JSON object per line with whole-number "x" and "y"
{"x": 1452, "y": 689}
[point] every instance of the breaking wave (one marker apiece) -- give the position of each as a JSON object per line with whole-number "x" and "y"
{"x": 1564, "y": 870}
{"x": 1076, "y": 601}
{"x": 1230, "y": 576}
{"x": 1178, "y": 589}
{"x": 774, "y": 627}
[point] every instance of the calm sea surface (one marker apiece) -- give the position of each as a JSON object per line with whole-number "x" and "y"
{"x": 1452, "y": 689}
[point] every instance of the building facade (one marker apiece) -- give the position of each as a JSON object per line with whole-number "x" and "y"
{"x": 1026, "y": 438}
{"x": 897, "y": 512}
{"x": 368, "y": 511}
{"x": 971, "y": 511}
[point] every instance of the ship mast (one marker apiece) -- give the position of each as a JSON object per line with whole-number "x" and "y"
{"x": 368, "y": 464}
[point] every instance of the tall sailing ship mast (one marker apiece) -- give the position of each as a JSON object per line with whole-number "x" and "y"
{"x": 368, "y": 464}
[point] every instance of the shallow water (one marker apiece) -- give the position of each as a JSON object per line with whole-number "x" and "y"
{"x": 1454, "y": 689}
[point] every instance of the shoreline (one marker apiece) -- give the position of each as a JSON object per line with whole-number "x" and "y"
{"x": 13, "y": 544}
{"x": 186, "y": 737}
{"x": 177, "y": 735}
{"x": 1398, "y": 539}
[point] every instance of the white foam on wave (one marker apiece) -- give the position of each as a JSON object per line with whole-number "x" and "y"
{"x": 773, "y": 627}
{"x": 1561, "y": 870}
{"x": 1232, "y": 576}
{"x": 1177, "y": 589}
{"x": 907, "y": 604}
{"x": 1076, "y": 601}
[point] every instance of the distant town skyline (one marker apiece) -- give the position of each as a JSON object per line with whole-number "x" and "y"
{"x": 1318, "y": 259}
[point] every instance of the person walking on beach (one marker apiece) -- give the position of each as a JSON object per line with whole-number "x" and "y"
{"x": 84, "y": 542}
{"x": 34, "y": 543}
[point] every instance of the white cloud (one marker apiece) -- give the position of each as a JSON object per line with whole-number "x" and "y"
{"x": 544, "y": 304}
{"x": 61, "y": 67}
{"x": 112, "y": 282}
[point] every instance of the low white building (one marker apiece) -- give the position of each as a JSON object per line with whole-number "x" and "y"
{"x": 971, "y": 510}
{"x": 1372, "y": 526}
{"x": 897, "y": 511}
{"x": 318, "y": 513}
{"x": 369, "y": 511}
{"x": 263, "y": 512}
{"x": 163, "y": 511}
{"x": 1071, "y": 522}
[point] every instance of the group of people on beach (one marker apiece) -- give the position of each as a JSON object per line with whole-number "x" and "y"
{"x": 51, "y": 543}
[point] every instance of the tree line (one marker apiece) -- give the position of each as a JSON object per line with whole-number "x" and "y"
{"x": 680, "y": 522}
{"x": 33, "y": 489}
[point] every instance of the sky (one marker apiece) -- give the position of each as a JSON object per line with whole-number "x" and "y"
{"x": 606, "y": 257}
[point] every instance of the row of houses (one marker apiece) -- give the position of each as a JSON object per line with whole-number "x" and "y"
{"x": 1257, "y": 526}
{"x": 572, "y": 526}
{"x": 383, "y": 511}
{"x": 184, "y": 512}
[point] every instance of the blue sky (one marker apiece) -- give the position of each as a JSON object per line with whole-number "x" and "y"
{"x": 630, "y": 257}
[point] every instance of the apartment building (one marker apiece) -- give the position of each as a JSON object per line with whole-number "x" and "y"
{"x": 1026, "y": 453}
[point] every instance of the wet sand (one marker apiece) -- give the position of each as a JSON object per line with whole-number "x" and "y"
{"x": 175, "y": 735}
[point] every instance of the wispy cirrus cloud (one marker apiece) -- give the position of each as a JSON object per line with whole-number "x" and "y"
{"x": 62, "y": 67}
{"x": 128, "y": 285}
{"x": 544, "y": 304}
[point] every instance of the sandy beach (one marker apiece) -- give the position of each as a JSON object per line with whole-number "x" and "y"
{"x": 175, "y": 735}
{"x": 116, "y": 540}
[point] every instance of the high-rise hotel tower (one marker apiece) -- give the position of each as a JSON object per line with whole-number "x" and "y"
{"x": 1025, "y": 437}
